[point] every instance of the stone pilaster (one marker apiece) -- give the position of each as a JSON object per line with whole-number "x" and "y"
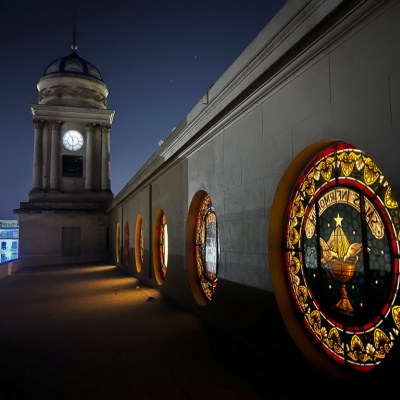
{"x": 89, "y": 178}
{"x": 105, "y": 158}
{"x": 55, "y": 156}
{"x": 37, "y": 176}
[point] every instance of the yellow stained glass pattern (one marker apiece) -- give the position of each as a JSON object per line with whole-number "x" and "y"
{"x": 371, "y": 171}
{"x": 347, "y": 161}
{"x": 396, "y": 316}
{"x": 390, "y": 201}
{"x": 308, "y": 185}
{"x": 326, "y": 167}
{"x": 382, "y": 343}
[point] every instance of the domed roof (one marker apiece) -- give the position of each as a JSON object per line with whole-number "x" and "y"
{"x": 73, "y": 64}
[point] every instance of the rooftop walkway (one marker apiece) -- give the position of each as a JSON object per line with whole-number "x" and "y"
{"x": 91, "y": 332}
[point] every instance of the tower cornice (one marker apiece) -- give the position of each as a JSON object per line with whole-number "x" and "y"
{"x": 87, "y": 115}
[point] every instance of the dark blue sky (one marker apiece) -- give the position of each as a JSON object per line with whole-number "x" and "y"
{"x": 157, "y": 58}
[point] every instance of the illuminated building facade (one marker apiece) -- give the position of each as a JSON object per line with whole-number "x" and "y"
{"x": 276, "y": 198}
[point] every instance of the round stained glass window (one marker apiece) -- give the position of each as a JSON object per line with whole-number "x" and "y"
{"x": 207, "y": 251}
{"x": 160, "y": 246}
{"x": 342, "y": 256}
{"x": 163, "y": 245}
{"x": 139, "y": 243}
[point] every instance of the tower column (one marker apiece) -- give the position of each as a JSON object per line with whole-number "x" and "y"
{"x": 89, "y": 182}
{"x": 105, "y": 158}
{"x": 55, "y": 156}
{"x": 38, "y": 156}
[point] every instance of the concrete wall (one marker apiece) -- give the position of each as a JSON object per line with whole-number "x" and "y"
{"x": 41, "y": 238}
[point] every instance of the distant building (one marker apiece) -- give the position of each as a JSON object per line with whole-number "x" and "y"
{"x": 9, "y": 235}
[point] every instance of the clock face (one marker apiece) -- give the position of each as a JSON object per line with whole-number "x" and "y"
{"x": 72, "y": 140}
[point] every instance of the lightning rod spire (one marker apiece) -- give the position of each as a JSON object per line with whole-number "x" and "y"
{"x": 74, "y": 45}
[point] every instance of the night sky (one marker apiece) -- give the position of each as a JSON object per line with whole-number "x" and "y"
{"x": 157, "y": 59}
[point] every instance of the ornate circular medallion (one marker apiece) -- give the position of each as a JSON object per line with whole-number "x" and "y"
{"x": 342, "y": 256}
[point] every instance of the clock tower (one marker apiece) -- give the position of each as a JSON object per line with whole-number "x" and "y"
{"x": 65, "y": 219}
